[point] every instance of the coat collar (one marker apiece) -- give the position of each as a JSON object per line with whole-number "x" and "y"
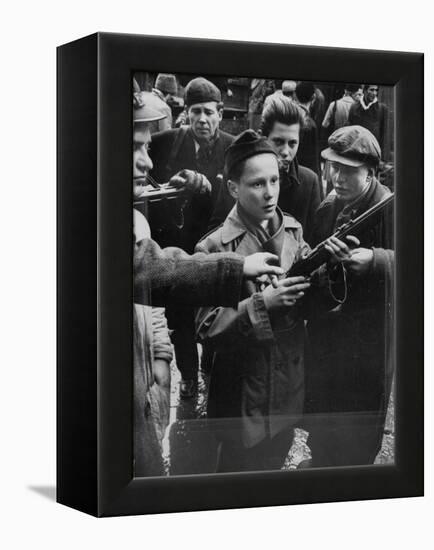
{"x": 233, "y": 227}
{"x": 291, "y": 173}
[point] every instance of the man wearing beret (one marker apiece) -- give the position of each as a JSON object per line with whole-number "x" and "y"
{"x": 168, "y": 276}
{"x": 257, "y": 387}
{"x": 300, "y": 190}
{"x": 194, "y": 154}
{"x": 349, "y": 371}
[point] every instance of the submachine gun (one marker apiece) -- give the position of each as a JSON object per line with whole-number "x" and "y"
{"x": 356, "y": 227}
{"x": 153, "y": 193}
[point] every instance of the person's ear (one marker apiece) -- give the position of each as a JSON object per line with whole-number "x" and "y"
{"x": 220, "y": 111}
{"x": 233, "y": 189}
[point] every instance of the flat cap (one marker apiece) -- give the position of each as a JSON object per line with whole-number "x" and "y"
{"x": 144, "y": 109}
{"x": 353, "y": 146}
{"x": 201, "y": 90}
{"x": 246, "y": 145}
{"x": 166, "y": 83}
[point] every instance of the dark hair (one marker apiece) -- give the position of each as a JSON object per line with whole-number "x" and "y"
{"x": 280, "y": 109}
{"x": 304, "y": 91}
{"x": 352, "y": 88}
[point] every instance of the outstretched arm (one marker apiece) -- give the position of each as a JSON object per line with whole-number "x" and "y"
{"x": 171, "y": 276}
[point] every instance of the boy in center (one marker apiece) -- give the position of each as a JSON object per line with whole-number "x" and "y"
{"x": 257, "y": 383}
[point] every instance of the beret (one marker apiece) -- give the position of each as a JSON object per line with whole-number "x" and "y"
{"x": 201, "y": 90}
{"x": 246, "y": 145}
{"x": 353, "y": 146}
{"x": 144, "y": 108}
{"x": 166, "y": 83}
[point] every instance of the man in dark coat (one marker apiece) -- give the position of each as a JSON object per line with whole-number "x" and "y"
{"x": 197, "y": 148}
{"x": 370, "y": 113}
{"x": 349, "y": 371}
{"x": 300, "y": 192}
{"x": 192, "y": 152}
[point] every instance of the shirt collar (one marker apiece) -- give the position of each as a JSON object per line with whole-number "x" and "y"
{"x": 363, "y": 104}
{"x": 233, "y": 227}
{"x": 210, "y": 143}
{"x": 292, "y": 171}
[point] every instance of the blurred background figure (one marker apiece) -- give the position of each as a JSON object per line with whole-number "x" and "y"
{"x": 339, "y": 110}
{"x": 165, "y": 89}
{"x": 287, "y": 89}
{"x": 259, "y": 90}
{"x": 308, "y": 151}
{"x": 371, "y": 114}
{"x": 318, "y": 106}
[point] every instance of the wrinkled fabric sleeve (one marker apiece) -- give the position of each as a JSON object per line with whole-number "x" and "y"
{"x": 171, "y": 276}
{"x": 229, "y": 328}
{"x": 161, "y": 345}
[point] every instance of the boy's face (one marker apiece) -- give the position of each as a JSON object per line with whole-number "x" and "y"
{"x": 349, "y": 182}
{"x": 285, "y": 140}
{"x": 257, "y": 190}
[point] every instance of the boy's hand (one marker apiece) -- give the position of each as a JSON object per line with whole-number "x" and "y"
{"x": 286, "y": 293}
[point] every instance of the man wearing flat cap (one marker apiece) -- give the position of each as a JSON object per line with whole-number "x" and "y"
{"x": 257, "y": 387}
{"x": 192, "y": 153}
{"x": 349, "y": 371}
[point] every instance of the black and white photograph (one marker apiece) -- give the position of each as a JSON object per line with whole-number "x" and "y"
{"x": 263, "y": 315}
{"x": 216, "y": 276}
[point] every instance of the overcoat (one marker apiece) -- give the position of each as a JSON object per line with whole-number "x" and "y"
{"x": 257, "y": 380}
{"x": 349, "y": 365}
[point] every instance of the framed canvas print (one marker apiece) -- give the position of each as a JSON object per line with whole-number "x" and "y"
{"x": 236, "y": 323}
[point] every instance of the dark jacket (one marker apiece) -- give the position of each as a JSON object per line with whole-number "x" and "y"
{"x": 172, "y": 151}
{"x": 350, "y": 365}
{"x": 374, "y": 119}
{"x": 308, "y": 150}
{"x": 299, "y": 196}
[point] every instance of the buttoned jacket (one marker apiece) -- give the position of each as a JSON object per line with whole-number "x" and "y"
{"x": 257, "y": 376}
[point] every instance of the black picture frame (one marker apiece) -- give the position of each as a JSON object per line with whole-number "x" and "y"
{"x": 94, "y": 389}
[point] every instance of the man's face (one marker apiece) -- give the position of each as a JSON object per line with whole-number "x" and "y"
{"x": 349, "y": 181}
{"x": 142, "y": 162}
{"x": 357, "y": 96}
{"x": 257, "y": 190}
{"x": 204, "y": 119}
{"x": 285, "y": 139}
{"x": 371, "y": 92}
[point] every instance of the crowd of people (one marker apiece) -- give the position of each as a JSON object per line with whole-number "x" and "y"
{"x": 211, "y": 267}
